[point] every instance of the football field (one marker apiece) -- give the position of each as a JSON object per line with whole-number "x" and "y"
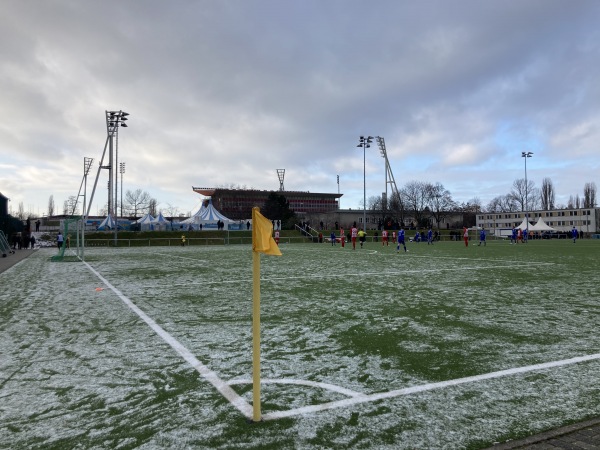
{"x": 441, "y": 347}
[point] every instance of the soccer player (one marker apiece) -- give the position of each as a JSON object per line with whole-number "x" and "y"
{"x": 384, "y": 238}
{"x": 430, "y": 237}
{"x": 332, "y": 238}
{"x": 401, "y": 240}
{"x": 277, "y": 237}
{"x": 354, "y": 233}
{"x": 482, "y": 237}
{"x": 466, "y": 236}
{"x": 574, "y": 234}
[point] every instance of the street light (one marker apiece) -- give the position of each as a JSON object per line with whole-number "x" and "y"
{"x": 365, "y": 143}
{"x": 526, "y": 155}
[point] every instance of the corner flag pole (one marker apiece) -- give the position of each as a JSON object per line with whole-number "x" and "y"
{"x": 262, "y": 242}
{"x": 256, "y": 414}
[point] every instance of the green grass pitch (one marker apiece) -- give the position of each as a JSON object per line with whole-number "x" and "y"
{"x": 360, "y": 348}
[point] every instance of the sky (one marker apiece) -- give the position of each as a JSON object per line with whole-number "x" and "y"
{"x": 224, "y": 93}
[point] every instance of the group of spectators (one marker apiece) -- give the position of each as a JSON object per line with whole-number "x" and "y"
{"x": 22, "y": 240}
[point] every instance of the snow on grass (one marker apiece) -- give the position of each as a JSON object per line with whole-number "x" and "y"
{"x": 79, "y": 368}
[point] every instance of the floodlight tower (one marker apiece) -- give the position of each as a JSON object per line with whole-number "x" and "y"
{"x": 526, "y": 155}
{"x": 281, "y": 175}
{"x": 389, "y": 176}
{"x": 114, "y": 120}
{"x": 87, "y": 165}
{"x": 365, "y": 143}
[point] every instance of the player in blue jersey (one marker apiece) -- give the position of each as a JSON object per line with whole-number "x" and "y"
{"x": 401, "y": 240}
{"x": 482, "y": 237}
{"x": 430, "y": 237}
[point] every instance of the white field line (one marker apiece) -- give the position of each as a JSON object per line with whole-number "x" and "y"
{"x": 425, "y": 387}
{"x": 378, "y": 274}
{"x": 196, "y": 260}
{"x": 236, "y": 400}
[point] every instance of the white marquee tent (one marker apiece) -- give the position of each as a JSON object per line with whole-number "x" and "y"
{"x": 524, "y": 225}
{"x": 145, "y": 223}
{"x": 107, "y": 224}
{"x": 160, "y": 223}
{"x": 207, "y": 217}
{"x": 541, "y": 226}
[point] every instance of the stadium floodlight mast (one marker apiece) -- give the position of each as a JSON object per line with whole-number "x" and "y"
{"x": 114, "y": 120}
{"x": 87, "y": 165}
{"x": 365, "y": 143}
{"x": 526, "y": 155}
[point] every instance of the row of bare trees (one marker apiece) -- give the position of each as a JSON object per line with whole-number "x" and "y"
{"x": 429, "y": 203}
{"x": 527, "y": 197}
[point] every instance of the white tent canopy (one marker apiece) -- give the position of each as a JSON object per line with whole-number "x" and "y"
{"x": 207, "y": 217}
{"x": 525, "y": 225}
{"x": 160, "y": 223}
{"x": 107, "y": 224}
{"x": 198, "y": 214}
{"x": 145, "y": 223}
{"x": 541, "y": 226}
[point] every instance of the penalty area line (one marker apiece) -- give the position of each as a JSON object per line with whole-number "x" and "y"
{"x": 236, "y": 400}
{"x": 426, "y": 387}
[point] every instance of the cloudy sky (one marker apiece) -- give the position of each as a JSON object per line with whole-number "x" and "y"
{"x": 224, "y": 93}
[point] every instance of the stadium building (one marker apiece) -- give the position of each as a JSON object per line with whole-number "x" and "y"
{"x": 237, "y": 204}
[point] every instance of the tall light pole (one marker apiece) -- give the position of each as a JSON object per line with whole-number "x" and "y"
{"x": 365, "y": 143}
{"x": 87, "y": 164}
{"x": 122, "y": 171}
{"x": 526, "y": 155}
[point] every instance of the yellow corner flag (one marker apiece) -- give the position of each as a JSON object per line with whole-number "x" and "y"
{"x": 262, "y": 242}
{"x": 262, "y": 235}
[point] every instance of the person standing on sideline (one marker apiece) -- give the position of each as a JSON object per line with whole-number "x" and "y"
{"x": 574, "y": 234}
{"x": 401, "y": 240}
{"x": 466, "y": 236}
{"x": 59, "y": 240}
{"x": 277, "y": 237}
{"x": 183, "y": 240}
{"x": 384, "y": 238}
{"x": 430, "y": 236}
{"x": 482, "y": 237}
{"x": 353, "y": 235}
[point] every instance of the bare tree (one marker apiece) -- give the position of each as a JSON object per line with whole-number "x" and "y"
{"x": 571, "y": 202}
{"x": 547, "y": 196}
{"x": 21, "y": 211}
{"x": 72, "y": 205}
{"x": 170, "y": 210}
{"x": 589, "y": 195}
{"x": 396, "y": 207}
{"x": 524, "y": 193}
{"x": 415, "y": 195}
{"x": 440, "y": 202}
{"x": 502, "y": 203}
{"x": 375, "y": 203}
{"x": 137, "y": 202}
{"x": 152, "y": 207}
{"x": 51, "y": 206}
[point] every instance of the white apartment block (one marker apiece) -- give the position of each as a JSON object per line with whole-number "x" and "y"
{"x": 586, "y": 220}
